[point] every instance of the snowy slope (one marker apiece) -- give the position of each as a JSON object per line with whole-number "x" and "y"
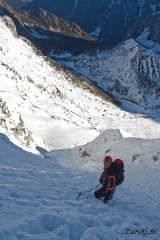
{"x": 43, "y": 106}
{"x": 111, "y": 142}
{"x": 128, "y": 71}
{"x": 50, "y": 103}
{"x": 38, "y": 197}
{"x": 53, "y": 104}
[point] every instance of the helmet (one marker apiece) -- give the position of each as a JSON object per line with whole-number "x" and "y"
{"x": 107, "y": 161}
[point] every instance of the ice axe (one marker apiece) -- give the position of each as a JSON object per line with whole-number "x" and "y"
{"x": 87, "y": 191}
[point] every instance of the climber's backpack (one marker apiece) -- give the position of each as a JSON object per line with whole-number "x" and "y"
{"x": 119, "y": 168}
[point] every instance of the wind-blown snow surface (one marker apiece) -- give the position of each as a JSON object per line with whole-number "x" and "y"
{"x": 38, "y": 197}
{"x": 53, "y": 107}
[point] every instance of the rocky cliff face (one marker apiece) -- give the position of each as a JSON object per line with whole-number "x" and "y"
{"x": 47, "y": 21}
{"x": 13, "y": 126}
{"x": 106, "y": 20}
{"x": 48, "y": 32}
{"x": 51, "y": 22}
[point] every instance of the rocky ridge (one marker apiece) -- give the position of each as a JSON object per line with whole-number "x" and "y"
{"x": 108, "y": 21}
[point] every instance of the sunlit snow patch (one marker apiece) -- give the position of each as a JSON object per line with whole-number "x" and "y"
{"x": 125, "y": 134}
{"x": 36, "y": 34}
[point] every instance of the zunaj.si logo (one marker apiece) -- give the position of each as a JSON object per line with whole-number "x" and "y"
{"x": 143, "y": 231}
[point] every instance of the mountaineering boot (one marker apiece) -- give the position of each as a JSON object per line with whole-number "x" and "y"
{"x": 112, "y": 193}
{"x": 110, "y": 197}
{"x": 105, "y": 200}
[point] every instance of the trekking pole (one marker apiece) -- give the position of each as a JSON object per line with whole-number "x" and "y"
{"x": 87, "y": 190}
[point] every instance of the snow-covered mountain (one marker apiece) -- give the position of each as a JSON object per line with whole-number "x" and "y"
{"x": 43, "y": 93}
{"x": 73, "y": 124}
{"x": 55, "y": 104}
{"x": 128, "y": 71}
{"x": 106, "y": 20}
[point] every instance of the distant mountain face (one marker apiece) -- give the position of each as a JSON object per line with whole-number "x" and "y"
{"x": 106, "y": 20}
{"x": 129, "y": 72}
{"x": 48, "y": 32}
{"x": 146, "y": 32}
{"x": 53, "y": 23}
